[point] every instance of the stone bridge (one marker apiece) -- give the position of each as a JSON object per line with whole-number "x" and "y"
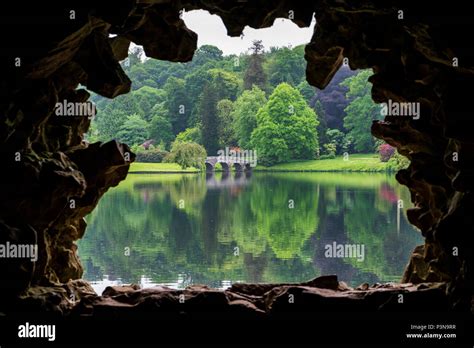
{"x": 239, "y": 165}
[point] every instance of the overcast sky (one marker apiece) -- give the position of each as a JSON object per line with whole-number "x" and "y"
{"x": 211, "y": 31}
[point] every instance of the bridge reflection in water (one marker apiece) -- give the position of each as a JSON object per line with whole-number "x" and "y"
{"x": 228, "y": 179}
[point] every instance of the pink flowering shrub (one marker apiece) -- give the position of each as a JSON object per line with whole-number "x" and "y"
{"x": 386, "y": 151}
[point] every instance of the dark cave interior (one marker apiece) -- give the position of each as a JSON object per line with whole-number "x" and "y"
{"x": 418, "y": 58}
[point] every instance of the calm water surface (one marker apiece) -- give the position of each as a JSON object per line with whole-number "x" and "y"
{"x": 182, "y": 229}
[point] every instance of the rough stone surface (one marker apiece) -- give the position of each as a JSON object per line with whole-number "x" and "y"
{"x": 412, "y": 60}
{"x": 279, "y": 300}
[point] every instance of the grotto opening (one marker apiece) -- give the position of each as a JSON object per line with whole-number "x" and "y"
{"x": 418, "y": 56}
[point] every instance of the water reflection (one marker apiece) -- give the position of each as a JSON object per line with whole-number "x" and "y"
{"x": 226, "y": 179}
{"x": 224, "y": 228}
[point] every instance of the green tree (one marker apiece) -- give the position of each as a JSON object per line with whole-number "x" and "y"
{"x": 244, "y": 114}
{"x": 159, "y": 109}
{"x": 92, "y": 135}
{"x": 177, "y": 103}
{"x": 133, "y": 131}
{"x": 187, "y": 155}
{"x": 225, "y": 109}
{"x": 129, "y": 104}
{"x": 287, "y": 65}
{"x": 139, "y": 75}
{"x": 361, "y": 111}
{"x": 308, "y": 92}
{"x": 228, "y": 87}
{"x": 161, "y": 130}
{"x": 255, "y": 74}
{"x": 190, "y": 135}
{"x": 227, "y": 84}
{"x": 209, "y": 118}
{"x": 160, "y": 71}
{"x": 112, "y": 114}
{"x": 107, "y": 123}
{"x": 147, "y": 98}
{"x": 206, "y": 54}
{"x": 286, "y": 127}
{"x": 336, "y": 137}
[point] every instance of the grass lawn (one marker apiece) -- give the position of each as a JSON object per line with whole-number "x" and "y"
{"x": 138, "y": 167}
{"x": 355, "y": 163}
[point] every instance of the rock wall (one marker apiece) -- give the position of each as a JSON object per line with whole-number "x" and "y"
{"x": 52, "y": 178}
{"x": 324, "y": 295}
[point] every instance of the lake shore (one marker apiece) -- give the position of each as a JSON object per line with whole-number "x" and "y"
{"x": 159, "y": 168}
{"x": 354, "y": 163}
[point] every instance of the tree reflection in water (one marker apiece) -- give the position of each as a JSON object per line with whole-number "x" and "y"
{"x": 260, "y": 227}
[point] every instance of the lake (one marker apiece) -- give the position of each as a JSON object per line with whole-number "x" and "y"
{"x": 182, "y": 229}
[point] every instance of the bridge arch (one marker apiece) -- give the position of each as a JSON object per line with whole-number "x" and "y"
{"x": 239, "y": 167}
{"x": 209, "y": 167}
{"x": 225, "y": 166}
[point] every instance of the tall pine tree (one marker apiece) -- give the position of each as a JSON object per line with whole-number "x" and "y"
{"x": 209, "y": 118}
{"x": 255, "y": 75}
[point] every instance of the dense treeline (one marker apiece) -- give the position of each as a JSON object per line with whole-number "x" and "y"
{"x": 259, "y": 100}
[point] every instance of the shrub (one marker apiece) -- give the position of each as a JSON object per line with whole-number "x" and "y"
{"x": 137, "y": 148}
{"x": 330, "y": 150}
{"x": 150, "y": 156}
{"x": 348, "y": 144}
{"x": 187, "y": 155}
{"x": 398, "y": 162}
{"x": 377, "y": 143}
{"x": 335, "y": 137}
{"x": 330, "y": 156}
{"x": 386, "y": 152}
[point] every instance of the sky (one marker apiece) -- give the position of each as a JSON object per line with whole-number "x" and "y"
{"x": 211, "y": 31}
